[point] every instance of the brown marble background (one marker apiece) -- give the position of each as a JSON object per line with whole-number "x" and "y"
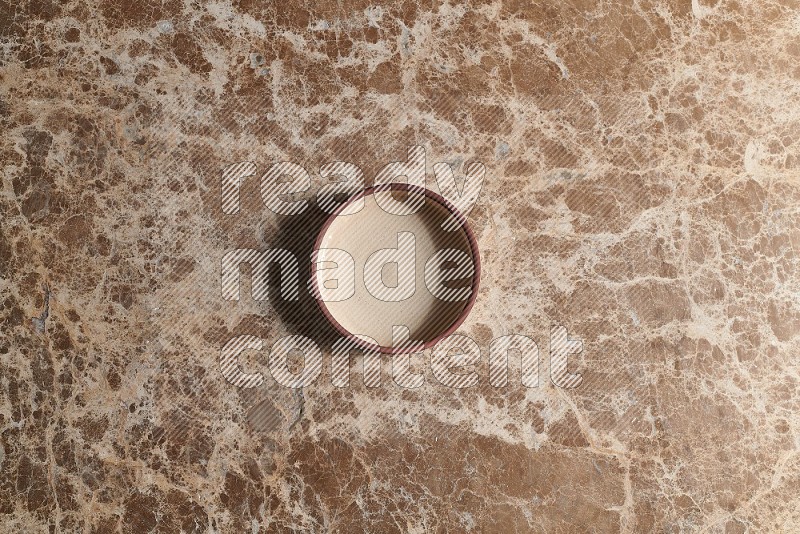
{"x": 642, "y": 190}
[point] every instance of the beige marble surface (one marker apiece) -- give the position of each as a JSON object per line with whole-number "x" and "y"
{"x": 642, "y": 190}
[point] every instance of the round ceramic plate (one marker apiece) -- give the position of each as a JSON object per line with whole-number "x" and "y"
{"x": 379, "y": 271}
